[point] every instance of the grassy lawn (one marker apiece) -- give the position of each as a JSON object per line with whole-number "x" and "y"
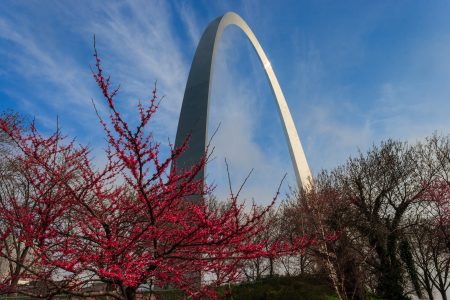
{"x": 307, "y": 287}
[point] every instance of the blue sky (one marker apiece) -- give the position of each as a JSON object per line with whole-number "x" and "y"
{"x": 353, "y": 73}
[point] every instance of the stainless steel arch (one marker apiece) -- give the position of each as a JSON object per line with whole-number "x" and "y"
{"x": 194, "y": 111}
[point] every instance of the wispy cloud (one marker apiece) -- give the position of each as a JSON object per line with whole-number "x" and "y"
{"x": 190, "y": 21}
{"x": 54, "y": 80}
{"x": 137, "y": 42}
{"x": 140, "y": 46}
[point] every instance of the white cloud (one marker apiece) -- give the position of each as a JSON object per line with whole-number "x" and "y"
{"x": 138, "y": 45}
{"x": 190, "y": 20}
{"x": 36, "y": 58}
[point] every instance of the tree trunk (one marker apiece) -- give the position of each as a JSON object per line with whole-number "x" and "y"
{"x": 390, "y": 286}
{"x": 389, "y": 271}
{"x": 271, "y": 267}
{"x": 428, "y": 288}
{"x": 130, "y": 293}
{"x": 258, "y": 273}
{"x": 443, "y": 293}
{"x": 15, "y": 279}
{"x": 15, "y": 276}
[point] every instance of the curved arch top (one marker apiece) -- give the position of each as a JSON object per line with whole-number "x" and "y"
{"x": 194, "y": 111}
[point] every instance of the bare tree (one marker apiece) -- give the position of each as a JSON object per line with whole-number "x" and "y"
{"x": 322, "y": 212}
{"x": 431, "y": 236}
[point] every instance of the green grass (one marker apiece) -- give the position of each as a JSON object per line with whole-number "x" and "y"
{"x": 307, "y": 287}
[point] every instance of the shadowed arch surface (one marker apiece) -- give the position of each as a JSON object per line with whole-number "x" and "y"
{"x": 194, "y": 111}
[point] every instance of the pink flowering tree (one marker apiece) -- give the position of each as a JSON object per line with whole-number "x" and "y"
{"x": 33, "y": 199}
{"x": 127, "y": 225}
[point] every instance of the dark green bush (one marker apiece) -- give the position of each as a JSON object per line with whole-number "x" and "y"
{"x": 306, "y": 287}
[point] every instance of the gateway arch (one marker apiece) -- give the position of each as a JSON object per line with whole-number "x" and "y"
{"x": 193, "y": 122}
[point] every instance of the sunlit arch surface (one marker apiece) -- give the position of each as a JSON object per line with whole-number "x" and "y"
{"x": 194, "y": 111}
